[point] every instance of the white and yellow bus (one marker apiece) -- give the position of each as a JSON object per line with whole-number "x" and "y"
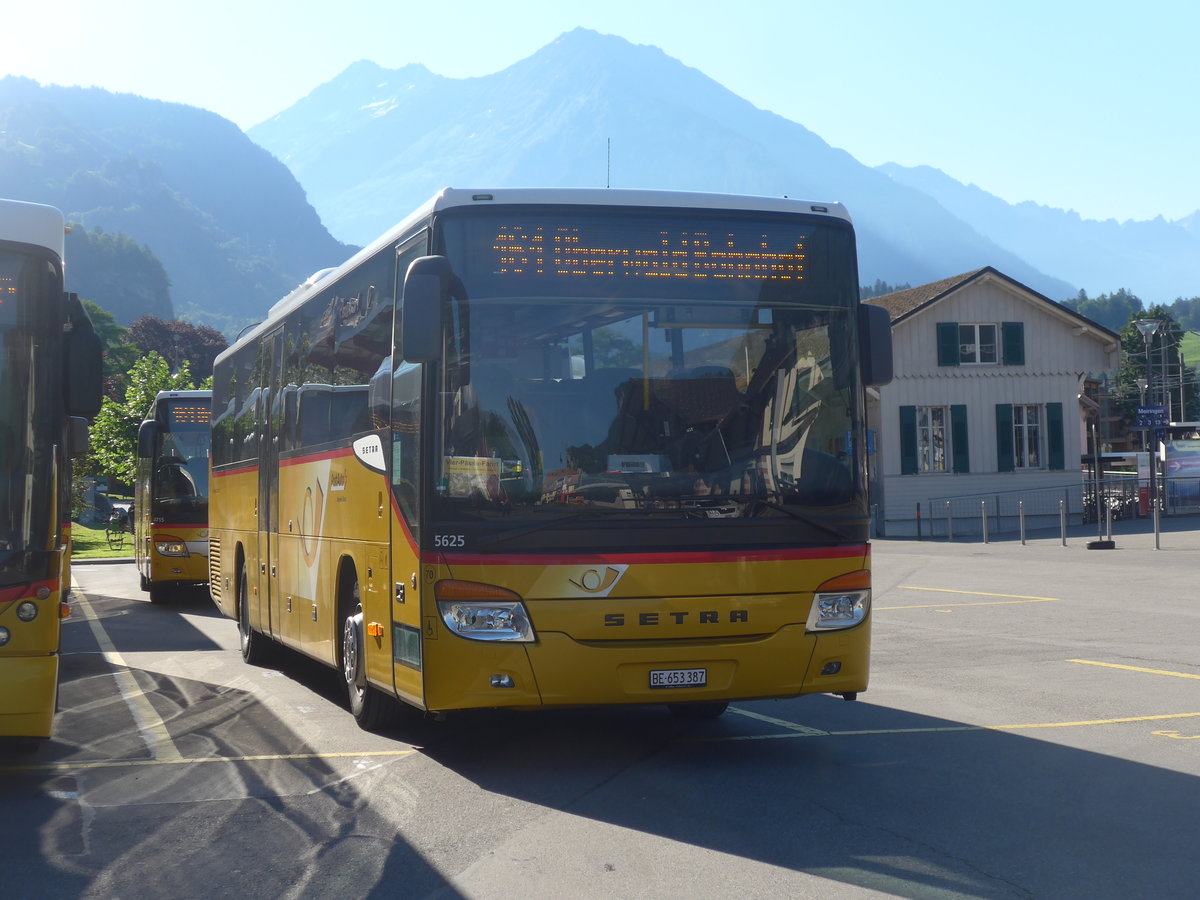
{"x": 50, "y": 379}
{"x": 170, "y": 499}
{"x": 557, "y": 447}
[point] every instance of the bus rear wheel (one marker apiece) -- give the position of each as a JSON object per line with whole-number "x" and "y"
{"x": 370, "y": 708}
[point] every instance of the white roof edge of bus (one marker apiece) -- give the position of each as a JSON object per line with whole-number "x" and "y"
{"x": 186, "y": 395}
{"x": 33, "y": 223}
{"x": 449, "y": 198}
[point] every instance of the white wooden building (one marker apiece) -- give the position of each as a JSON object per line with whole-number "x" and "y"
{"x": 985, "y": 405}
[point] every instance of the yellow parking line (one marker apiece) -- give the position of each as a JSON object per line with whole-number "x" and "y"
{"x": 1092, "y": 662}
{"x": 957, "y": 605}
{"x": 181, "y": 760}
{"x": 1010, "y": 598}
{"x": 153, "y": 729}
{"x": 909, "y": 587}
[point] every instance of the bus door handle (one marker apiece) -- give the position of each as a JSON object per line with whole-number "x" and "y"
{"x": 262, "y": 568}
{"x": 272, "y": 571}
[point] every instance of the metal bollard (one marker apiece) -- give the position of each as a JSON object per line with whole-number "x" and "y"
{"x": 1062, "y": 520}
{"x": 1021, "y": 519}
{"x": 949, "y": 522}
{"x": 983, "y": 512}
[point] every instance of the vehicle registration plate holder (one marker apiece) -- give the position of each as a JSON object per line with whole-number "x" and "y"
{"x": 678, "y": 678}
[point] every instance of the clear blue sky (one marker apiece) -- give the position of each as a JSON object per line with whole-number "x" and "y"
{"x": 1092, "y": 106}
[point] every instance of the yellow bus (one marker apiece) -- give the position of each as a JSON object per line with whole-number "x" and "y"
{"x": 556, "y": 447}
{"x": 170, "y": 495}
{"x": 50, "y": 377}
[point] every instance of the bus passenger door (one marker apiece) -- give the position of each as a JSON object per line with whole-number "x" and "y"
{"x": 406, "y": 468}
{"x": 270, "y": 411}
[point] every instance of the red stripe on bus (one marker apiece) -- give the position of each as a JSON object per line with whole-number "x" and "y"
{"x": 652, "y": 558}
{"x": 24, "y": 591}
{"x": 316, "y": 457}
{"x": 240, "y": 470}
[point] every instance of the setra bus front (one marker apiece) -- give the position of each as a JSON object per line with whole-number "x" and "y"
{"x": 647, "y": 454}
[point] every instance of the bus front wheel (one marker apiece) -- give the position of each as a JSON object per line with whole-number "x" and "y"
{"x": 255, "y": 648}
{"x": 370, "y": 708}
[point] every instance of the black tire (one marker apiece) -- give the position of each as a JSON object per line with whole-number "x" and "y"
{"x": 699, "y": 711}
{"x": 161, "y": 592}
{"x": 371, "y": 709}
{"x": 145, "y": 581}
{"x": 256, "y": 647}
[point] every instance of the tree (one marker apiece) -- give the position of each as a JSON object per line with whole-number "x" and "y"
{"x": 179, "y": 343}
{"x": 113, "y": 269}
{"x": 879, "y": 288}
{"x": 1165, "y": 373}
{"x": 119, "y": 353}
{"x": 1113, "y": 311}
{"x": 114, "y": 433}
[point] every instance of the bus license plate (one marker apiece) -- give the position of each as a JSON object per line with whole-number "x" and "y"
{"x": 678, "y": 678}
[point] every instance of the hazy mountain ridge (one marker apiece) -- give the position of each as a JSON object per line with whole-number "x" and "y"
{"x": 1157, "y": 260}
{"x": 372, "y": 144}
{"x": 229, "y": 223}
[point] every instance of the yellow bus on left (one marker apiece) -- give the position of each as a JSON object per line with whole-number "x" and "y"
{"x": 51, "y": 383}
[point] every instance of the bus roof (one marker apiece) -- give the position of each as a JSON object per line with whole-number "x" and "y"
{"x": 32, "y": 223}
{"x": 453, "y": 198}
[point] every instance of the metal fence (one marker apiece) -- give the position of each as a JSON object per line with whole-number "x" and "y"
{"x": 1010, "y": 512}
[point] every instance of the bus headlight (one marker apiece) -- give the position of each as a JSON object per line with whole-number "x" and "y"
{"x": 841, "y": 602}
{"x": 27, "y": 611}
{"x": 5, "y": 635}
{"x": 172, "y": 548}
{"x": 483, "y": 612}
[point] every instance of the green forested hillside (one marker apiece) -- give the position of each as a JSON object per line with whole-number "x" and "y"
{"x": 228, "y": 223}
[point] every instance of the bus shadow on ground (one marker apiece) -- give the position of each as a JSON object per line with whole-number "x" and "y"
{"x": 864, "y": 795}
{"x": 251, "y": 810}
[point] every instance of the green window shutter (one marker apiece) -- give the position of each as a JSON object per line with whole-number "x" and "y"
{"x": 947, "y": 343}
{"x": 1004, "y": 438}
{"x": 1013, "y": 343}
{"x": 1055, "y": 445}
{"x": 908, "y": 440}
{"x": 958, "y": 438}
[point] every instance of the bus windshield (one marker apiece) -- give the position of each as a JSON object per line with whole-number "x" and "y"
{"x": 26, "y": 419}
{"x": 669, "y": 373}
{"x": 180, "y": 486}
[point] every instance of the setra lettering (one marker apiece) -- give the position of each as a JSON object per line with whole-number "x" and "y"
{"x": 706, "y": 617}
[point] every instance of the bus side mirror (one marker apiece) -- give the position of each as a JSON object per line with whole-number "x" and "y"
{"x": 84, "y": 372}
{"x": 426, "y": 286}
{"x": 77, "y": 437}
{"x": 874, "y": 344}
{"x": 147, "y": 432}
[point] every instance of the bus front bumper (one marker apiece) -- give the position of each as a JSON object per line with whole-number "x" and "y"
{"x": 30, "y": 694}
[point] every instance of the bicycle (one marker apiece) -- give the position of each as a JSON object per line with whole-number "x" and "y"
{"x": 114, "y": 531}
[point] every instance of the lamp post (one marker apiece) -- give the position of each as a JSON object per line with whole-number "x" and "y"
{"x": 1148, "y": 328}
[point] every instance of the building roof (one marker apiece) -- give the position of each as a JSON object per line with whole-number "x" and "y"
{"x": 902, "y": 304}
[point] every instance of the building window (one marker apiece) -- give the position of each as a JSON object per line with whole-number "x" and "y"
{"x": 1030, "y": 436}
{"x": 1027, "y": 436}
{"x": 977, "y": 345}
{"x": 932, "y": 438}
{"x": 981, "y": 344}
